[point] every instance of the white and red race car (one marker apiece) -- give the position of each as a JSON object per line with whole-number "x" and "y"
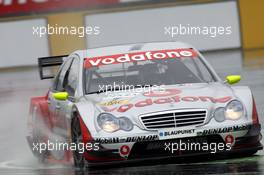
{"x": 139, "y": 101}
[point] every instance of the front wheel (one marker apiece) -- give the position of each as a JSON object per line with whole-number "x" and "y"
{"x": 77, "y": 139}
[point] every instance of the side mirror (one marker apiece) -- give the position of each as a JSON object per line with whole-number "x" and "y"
{"x": 233, "y": 79}
{"x": 62, "y": 96}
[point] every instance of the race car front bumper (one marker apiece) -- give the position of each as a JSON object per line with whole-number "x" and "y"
{"x": 247, "y": 141}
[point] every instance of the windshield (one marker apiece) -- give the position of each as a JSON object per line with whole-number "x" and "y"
{"x": 172, "y": 71}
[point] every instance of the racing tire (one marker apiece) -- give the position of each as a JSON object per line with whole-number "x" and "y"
{"x": 77, "y": 138}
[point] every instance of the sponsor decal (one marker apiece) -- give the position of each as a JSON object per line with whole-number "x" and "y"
{"x": 124, "y": 150}
{"x": 114, "y": 102}
{"x": 107, "y": 140}
{"x": 139, "y": 56}
{"x": 229, "y": 139}
{"x": 176, "y": 133}
{"x": 224, "y": 130}
{"x": 126, "y": 139}
{"x": 169, "y": 100}
{"x": 163, "y": 93}
{"x": 166, "y": 97}
{"x": 107, "y": 109}
{"x": 142, "y": 138}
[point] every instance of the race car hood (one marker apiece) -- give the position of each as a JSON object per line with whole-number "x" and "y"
{"x": 188, "y": 96}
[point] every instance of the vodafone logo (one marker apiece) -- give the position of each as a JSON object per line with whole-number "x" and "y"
{"x": 139, "y": 56}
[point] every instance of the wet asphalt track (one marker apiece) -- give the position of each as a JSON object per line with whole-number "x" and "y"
{"x": 18, "y": 85}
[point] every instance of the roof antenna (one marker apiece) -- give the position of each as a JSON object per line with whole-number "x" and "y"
{"x": 136, "y": 47}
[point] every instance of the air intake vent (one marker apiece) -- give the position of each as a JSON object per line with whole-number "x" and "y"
{"x": 173, "y": 119}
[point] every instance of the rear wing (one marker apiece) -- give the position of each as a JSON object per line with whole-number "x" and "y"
{"x": 49, "y": 62}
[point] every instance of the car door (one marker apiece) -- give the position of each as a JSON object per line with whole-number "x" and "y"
{"x": 70, "y": 86}
{"x": 58, "y": 86}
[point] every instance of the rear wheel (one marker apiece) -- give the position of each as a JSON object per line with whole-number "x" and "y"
{"x": 77, "y": 139}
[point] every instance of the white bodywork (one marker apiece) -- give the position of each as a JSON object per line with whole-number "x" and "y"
{"x": 191, "y": 98}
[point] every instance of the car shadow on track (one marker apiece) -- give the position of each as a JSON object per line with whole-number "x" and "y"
{"x": 199, "y": 165}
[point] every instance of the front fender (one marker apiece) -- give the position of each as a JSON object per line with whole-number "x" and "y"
{"x": 245, "y": 95}
{"x": 87, "y": 112}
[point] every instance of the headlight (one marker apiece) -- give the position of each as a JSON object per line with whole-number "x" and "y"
{"x": 219, "y": 114}
{"x": 125, "y": 124}
{"x": 233, "y": 111}
{"x": 110, "y": 123}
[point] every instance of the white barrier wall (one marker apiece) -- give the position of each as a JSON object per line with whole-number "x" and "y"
{"x": 148, "y": 25}
{"x": 234, "y": 58}
{"x": 18, "y": 45}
